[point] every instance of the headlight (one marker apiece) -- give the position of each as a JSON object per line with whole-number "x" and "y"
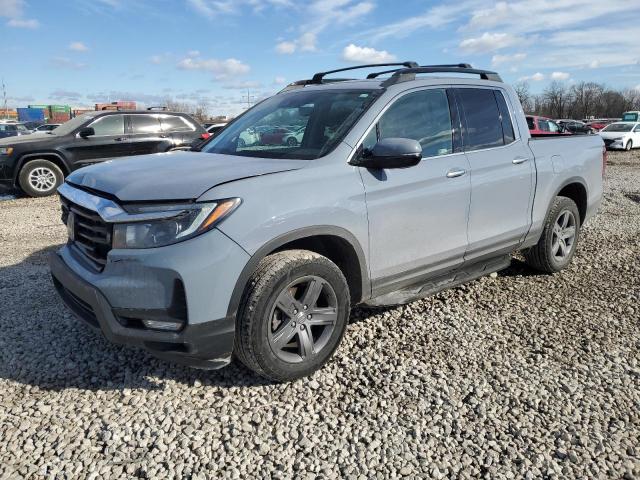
{"x": 189, "y": 220}
{"x": 6, "y": 150}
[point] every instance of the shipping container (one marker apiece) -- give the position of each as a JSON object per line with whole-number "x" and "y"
{"x": 119, "y": 105}
{"x": 9, "y": 113}
{"x": 31, "y": 114}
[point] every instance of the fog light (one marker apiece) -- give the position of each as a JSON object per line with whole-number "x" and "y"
{"x": 160, "y": 325}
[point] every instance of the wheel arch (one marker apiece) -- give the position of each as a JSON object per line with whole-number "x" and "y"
{"x": 575, "y": 189}
{"x": 337, "y": 244}
{"x": 53, "y": 157}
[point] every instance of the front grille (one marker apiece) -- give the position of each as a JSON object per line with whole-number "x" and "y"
{"x": 608, "y": 142}
{"x": 91, "y": 234}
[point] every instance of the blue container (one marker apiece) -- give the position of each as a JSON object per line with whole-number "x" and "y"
{"x": 30, "y": 114}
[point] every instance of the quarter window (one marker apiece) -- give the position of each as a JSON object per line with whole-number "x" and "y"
{"x": 109, "y": 125}
{"x": 507, "y": 127}
{"x": 484, "y": 127}
{"x": 174, "y": 123}
{"x": 145, "y": 124}
{"x": 423, "y": 116}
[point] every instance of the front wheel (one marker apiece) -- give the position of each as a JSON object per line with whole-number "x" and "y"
{"x": 559, "y": 239}
{"x": 628, "y": 146}
{"x": 292, "y": 316}
{"x": 40, "y": 178}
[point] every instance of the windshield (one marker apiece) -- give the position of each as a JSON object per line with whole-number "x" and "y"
{"x": 71, "y": 125}
{"x": 618, "y": 127}
{"x": 298, "y": 125}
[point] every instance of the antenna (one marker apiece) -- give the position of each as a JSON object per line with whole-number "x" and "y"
{"x": 4, "y": 99}
{"x": 248, "y": 97}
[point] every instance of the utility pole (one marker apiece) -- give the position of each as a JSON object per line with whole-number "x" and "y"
{"x": 4, "y": 99}
{"x": 248, "y": 97}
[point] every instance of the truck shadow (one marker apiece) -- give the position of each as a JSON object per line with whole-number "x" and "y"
{"x": 44, "y": 345}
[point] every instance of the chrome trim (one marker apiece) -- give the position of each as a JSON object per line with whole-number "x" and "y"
{"x": 108, "y": 210}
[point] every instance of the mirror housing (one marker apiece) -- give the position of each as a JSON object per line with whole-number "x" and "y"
{"x": 86, "y": 132}
{"x": 390, "y": 153}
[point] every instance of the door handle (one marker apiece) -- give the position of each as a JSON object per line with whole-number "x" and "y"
{"x": 456, "y": 172}
{"x": 163, "y": 136}
{"x": 519, "y": 160}
{"x": 120, "y": 139}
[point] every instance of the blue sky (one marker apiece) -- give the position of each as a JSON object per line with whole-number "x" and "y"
{"x": 211, "y": 51}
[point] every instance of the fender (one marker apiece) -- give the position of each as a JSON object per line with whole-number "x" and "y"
{"x": 299, "y": 234}
{"x": 23, "y": 159}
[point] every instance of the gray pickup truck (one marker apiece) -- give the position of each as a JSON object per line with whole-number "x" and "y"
{"x": 329, "y": 194}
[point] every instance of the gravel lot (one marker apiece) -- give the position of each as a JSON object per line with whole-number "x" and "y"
{"x": 518, "y": 375}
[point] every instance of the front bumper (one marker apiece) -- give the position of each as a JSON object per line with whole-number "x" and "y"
{"x": 206, "y": 345}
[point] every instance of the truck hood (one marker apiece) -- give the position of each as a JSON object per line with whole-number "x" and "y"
{"x": 173, "y": 176}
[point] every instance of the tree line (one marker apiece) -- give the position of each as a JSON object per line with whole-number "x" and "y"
{"x": 578, "y": 101}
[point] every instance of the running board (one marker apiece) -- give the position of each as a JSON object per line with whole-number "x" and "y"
{"x": 441, "y": 282}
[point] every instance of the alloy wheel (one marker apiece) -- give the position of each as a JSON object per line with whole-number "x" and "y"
{"x": 42, "y": 179}
{"x": 302, "y": 319}
{"x": 564, "y": 235}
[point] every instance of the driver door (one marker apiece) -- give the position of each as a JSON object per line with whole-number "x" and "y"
{"x": 418, "y": 215}
{"x": 109, "y": 141}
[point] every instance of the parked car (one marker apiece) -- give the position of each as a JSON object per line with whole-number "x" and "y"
{"x": 575, "y": 126}
{"x": 32, "y": 125}
{"x": 273, "y": 135}
{"x": 47, "y": 127}
{"x": 294, "y": 138}
{"x": 543, "y": 126}
{"x": 13, "y": 130}
{"x": 405, "y": 185}
{"x": 633, "y": 116}
{"x": 598, "y": 124}
{"x": 38, "y": 164}
{"x": 621, "y": 135}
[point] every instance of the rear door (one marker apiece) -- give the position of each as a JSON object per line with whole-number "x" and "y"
{"x": 146, "y": 134}
{"x": 502, "y": 173}
{"x": 109, "y": 141}
{"x": 418, "y": 215}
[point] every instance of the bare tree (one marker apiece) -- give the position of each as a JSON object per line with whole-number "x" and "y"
{"x": 524, "y": 94}
{"x": 556, "y": 99}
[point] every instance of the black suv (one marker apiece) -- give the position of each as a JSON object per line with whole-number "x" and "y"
{"x": 39, "y": 163}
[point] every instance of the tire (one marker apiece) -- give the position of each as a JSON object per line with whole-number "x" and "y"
{"x": 292, "y": 142}
{"x": 547, "y": 255}
{"x": 628, "y": 146}
{"x": 40, "y": 178}
{"x": 276, "y": 336}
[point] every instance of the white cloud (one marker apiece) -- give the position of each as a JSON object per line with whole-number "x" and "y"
{"x": 489, "y": 42}
{"x": 23, "y": 23}
{"x": 498, "y": 60}
{"x": 221, "y": 69}
{"x": 11, "y": 8}
{"x": 249, "y": 84}
{"x": 354, "y": 53}
{"x": 560, "y": 76}
{"x": 536, "y": 77}
{"x": 78, "y": 47}
{"x": 307, "y": 42}
{"x": 286, "y": 48}
{"x": 216, "y": 8}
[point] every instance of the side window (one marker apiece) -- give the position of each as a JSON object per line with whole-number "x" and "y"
{"x": 423, "y": 116}
{"x": 637, "y": 129}
{"x": 553, "y": 127}
{"x": 175, "y": 123}
{"x": 484, "y": 128}
{"x": 507, "y": 127}
{"x": 109, "y": 125}
{"x": 543, "y": 125}
{"x": 145, "y": 124}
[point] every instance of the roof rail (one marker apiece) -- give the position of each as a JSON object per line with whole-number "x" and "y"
{"x": 407, "y": 74}
{"x": 317, "y": 78}
{"x": 458, "y": 65}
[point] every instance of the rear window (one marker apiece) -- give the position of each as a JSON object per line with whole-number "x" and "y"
{"x": 484, "y": 127}
{"x": 173, "y": 123}
{"x": 145, "y": 124}
{"x": 630, "y": 117}
{"x": 507, "y": 126}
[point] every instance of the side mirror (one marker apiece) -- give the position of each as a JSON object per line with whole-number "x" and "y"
{"x": 87, "y": 132}
{"x": 391, "y": 153}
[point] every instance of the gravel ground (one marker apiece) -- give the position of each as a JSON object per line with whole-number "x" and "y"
{"x": 517, "y": 375}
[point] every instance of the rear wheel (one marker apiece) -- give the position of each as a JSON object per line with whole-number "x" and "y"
{"x": 293, "y": 315}
{"x": 40, "y": 178}
{"x": 559, "y": 239}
